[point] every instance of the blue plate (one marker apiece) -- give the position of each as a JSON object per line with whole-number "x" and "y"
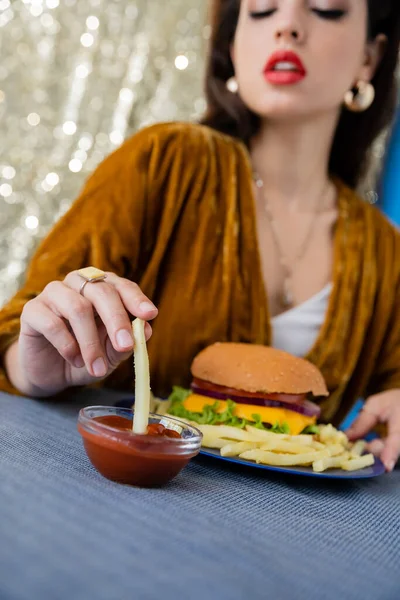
{"x": 376, "y": 469}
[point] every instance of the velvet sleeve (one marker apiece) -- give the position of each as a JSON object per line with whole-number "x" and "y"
{"x": 107, "y": 226}
{"x": 386, "y": 374}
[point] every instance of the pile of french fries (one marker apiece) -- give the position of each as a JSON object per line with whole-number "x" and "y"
{"x": 329, "y": 449}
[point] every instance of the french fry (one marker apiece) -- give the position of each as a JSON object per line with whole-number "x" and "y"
{"x": 283, "y": 460}
{"x": 325, "y": 432}
{"x": 354, "y": 464}
{"x": 330, "y": 462}
{"x": 211, "y": 441}
{"x": 264, "y": 435}
{"x": 305, "y": 440}
{"x": 329, "y": 434}
{"x": 317, "y": 445}
{"x": 227, "y": 432}
{"x": 335, "y": 449}
{"x": 358, "y": 448}
{"x": 142, "y": 378}
{"x": 238, "y": 448}
{"x": 341, "y": 438}
{"x": 286, "y": 446}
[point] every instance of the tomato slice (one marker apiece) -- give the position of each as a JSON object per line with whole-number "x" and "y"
{"x": 233, "y": 393}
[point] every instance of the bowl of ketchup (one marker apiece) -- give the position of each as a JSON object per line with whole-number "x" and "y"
{"x": 145, "y": 460}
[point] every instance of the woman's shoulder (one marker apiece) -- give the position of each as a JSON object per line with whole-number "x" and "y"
{"x": 378, "y": 229}
{"x": 369, "y": 211}
{"x": 378, "y": 221}
{"x": 157, "y": 146}
{"x": 186, "y": 134}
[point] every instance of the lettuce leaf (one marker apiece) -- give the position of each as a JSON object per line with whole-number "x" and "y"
{"x": 311, "y": 429}
{"x": 211, "y": 416}
{"x": 276, "y": 428}
{"x": 280, "y": 428}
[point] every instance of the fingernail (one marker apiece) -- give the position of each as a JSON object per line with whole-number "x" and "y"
{"x": 99, "y": 367}
{"x": 124, "y": 339}
{"x": 390, "y": 465}
{"x": 79, "y": 362}
{"x": 147, "y": 306}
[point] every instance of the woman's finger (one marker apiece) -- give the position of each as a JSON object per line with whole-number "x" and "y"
{"x": 366, "y": 421}
{"x": 109, "y": 305}
{"x": 78, "y": 311}
{"x": 116, "y": 357}
{"x": 376, "y": 447}
{"x": 134, "y": 300}
{"x": 37, "y": 318}
{"x": 147, "y": 331}
{"x": 391, "y": 451}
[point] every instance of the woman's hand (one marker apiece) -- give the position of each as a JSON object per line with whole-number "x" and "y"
{"x": 382, "y": 408}
{"x": 68, "y": 339}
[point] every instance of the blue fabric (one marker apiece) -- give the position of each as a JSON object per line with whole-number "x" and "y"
{"x": 391, "y": 177}
{"x": 353, "y": 414}
{"x": 215, "y": 533}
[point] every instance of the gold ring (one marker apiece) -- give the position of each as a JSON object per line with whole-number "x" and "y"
{"x": 90, "y": 275}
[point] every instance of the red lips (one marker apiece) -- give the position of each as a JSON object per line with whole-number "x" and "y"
{"x": 288, "y": 76}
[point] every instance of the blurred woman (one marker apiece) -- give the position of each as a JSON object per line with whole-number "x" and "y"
{"x": 244, "y": 228}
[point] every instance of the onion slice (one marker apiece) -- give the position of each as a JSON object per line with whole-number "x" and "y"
{"x": 142, "y": 378}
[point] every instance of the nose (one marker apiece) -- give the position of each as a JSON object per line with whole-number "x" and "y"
{"x": 288, "y": 34}
{"x": 291, "y": 26}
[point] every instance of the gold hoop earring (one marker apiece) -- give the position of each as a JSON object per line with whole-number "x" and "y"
{"x": 232, "y": 85}
{"x": 360, "y": 98}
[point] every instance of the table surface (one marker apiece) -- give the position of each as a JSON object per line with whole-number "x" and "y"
{"x": 215, "y": 533}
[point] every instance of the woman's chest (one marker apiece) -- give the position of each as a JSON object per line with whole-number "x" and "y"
{"x": 296, "y": 256}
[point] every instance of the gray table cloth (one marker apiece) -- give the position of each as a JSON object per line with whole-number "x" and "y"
{"x": 216, "y": 532}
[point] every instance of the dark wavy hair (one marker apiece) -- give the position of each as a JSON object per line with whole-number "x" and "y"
{"x": 355, "y": 132}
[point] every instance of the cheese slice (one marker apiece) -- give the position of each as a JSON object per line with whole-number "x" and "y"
{"x": 296, "y": 421}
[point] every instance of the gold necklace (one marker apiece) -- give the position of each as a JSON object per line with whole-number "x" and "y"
{"x": 287, "y": 298}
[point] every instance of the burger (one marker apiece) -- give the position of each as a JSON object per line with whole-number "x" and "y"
{"x": 243, "y": 384}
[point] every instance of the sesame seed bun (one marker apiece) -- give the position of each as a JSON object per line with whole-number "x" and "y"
{"x": 254, "y": 368}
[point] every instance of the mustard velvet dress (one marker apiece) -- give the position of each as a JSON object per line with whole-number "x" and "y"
{"x": 173, "y": 210}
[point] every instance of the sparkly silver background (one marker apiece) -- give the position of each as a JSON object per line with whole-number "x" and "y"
{"x": 76, "y": 78}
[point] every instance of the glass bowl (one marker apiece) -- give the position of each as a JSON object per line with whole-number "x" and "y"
{"x": 140, "y": 460}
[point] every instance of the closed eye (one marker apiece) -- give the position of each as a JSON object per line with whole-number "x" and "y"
{"x": 262, "y": 15}
{"x": 333, "y": 15}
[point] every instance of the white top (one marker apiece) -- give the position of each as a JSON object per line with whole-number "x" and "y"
{"x": 297, "y": 329}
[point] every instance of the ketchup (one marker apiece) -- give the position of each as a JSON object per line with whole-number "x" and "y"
{"x": 149, "y": 460}
{"x": 161, "y": 430}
